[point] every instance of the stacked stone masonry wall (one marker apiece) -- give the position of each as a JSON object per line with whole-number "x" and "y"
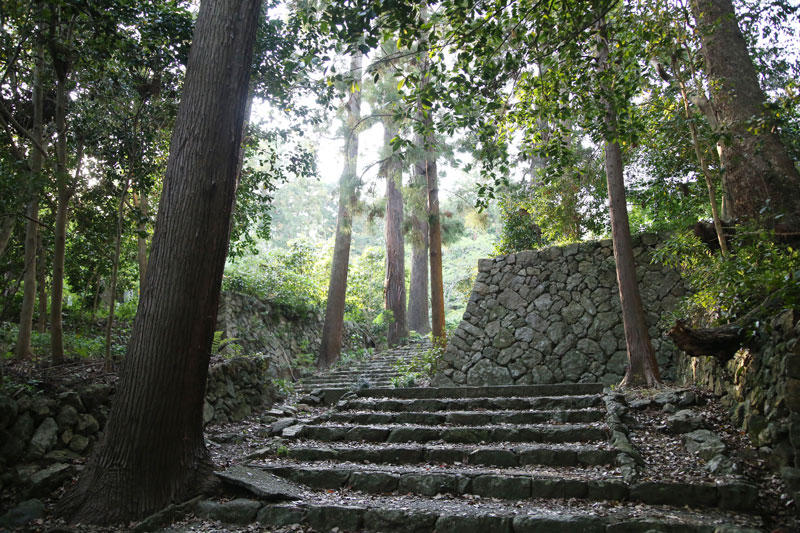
{"x": 259, "y": 326}
{"x": 761, "y": 388}
{"x": 553, "y": 315}
{"x": 58, "y": 426}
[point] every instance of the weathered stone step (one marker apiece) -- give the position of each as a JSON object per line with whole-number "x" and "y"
{"x": 485, "y": 455}
{"x": 515, "y": 485}
{"x": 454, "y": 434}
{"x": 353, "y": 375}
{"x": 369, "y": 369}
{"x": 502, "y": 391}
{"x": 468, "y": 417}
{"x": 463, "y": 404}
{"x": 342, "y": 382}
{"x": 352, "y": 512}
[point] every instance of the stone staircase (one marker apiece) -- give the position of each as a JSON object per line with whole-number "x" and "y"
{"x": 375, "y": 371}
{"x": 538, "y": 458}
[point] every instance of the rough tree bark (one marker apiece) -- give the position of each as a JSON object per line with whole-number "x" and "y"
{"x": 23, "y": 348}
{"x": 642, "y": 367}
{"x": 759, "y": 176}
{"x": 417, "y": 316}
{"x": 394, "y": 287}
{"x": 61, "y": 66}
{"x": 153, "y": 452}
{"x": 331, "y": 342}
{"x": 435, "y": 235}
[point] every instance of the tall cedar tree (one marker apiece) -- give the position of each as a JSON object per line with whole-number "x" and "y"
{"x": 394, "y": 288}
{"x": 642, "y": 367}
{"x": 418, "y": 318}
{"x": 331, "y": 342}
{"x": 153, "y": 452}
{"x": 759, "y": 176}
{"x": 36, "y": 158}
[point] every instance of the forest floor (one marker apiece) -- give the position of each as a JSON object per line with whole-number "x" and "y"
{"x": 665, "y": 458}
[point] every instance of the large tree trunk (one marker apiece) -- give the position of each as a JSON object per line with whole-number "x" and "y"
{"x": 394, "y": 287}
{"x": 758, "y": 174}
{"x": 331, "y": 342}
{"x": 153, "y": 452}
{"x": 65, "y": 190}
{"x": 418, "y": 286}
{"x": 642, "y": 367}
{"x": 435, "y": 239}
{"x": 23, "y": 348}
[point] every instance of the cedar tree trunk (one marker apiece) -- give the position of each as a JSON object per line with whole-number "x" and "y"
{"x": 153, "y": 452}
{"x": 23, "y": 348}
{"x": 394, "y": 287}
{"x": 418, "y": 286}
{"x": 642, "y": 368}
{"x": 758, "y": 174}
{"x": 64, "y": 193}
{"x": 331, "y": 342}
{"x": 435, "y": 240}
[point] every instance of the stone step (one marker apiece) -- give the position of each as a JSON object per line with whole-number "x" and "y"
{"x": 485, "y": 455}
{"x": 341, "y": 382}
{"x": 468, "y": 417}
{"x": 462, "y": 404}
{"x": 497, "y": 391}
{"x": 355, "y": 373}
{"x": 351, "y": 511}
{"x": 395, "y": 433}
{"x": 514, "y": 485}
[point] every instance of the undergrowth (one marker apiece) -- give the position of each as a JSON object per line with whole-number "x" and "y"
{"x": 723, "y": 289}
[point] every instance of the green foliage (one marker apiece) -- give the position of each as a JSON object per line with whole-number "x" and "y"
{"x": 353, "y": 356}
{"x": 284, "y": 386}
{"x": 291, "y": 277}
{"x": 723, "y": 289}
{"x": 364, "y": 300}
{"x": 77, "y": 344}
{"x": 421, "y": 366}
{"x": 227, "y": 347}
{"x": 519, "y": 231}
{"x": 305, "y": 362}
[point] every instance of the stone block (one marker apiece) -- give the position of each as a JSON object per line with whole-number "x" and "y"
{"x": 346, "y": 517}
{"x": 473, "y": 523}
{"x": 238, "y": 511}
{"x": 504, "y": 487}
{"x": 44, "y": 438}
{"x": 374, "y": 482}
{"x": 399, "y": 520}
{"x": 280, "y": 515}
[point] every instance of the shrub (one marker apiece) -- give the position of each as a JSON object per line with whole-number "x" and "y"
{"x": 723, "y": 289}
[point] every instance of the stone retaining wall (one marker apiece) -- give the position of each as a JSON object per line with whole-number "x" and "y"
{"x": 553, "y": 315}
{"x": 262, "y": 327}
{"x": 761, "y": 388}
{"x": 36, "y": 425}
